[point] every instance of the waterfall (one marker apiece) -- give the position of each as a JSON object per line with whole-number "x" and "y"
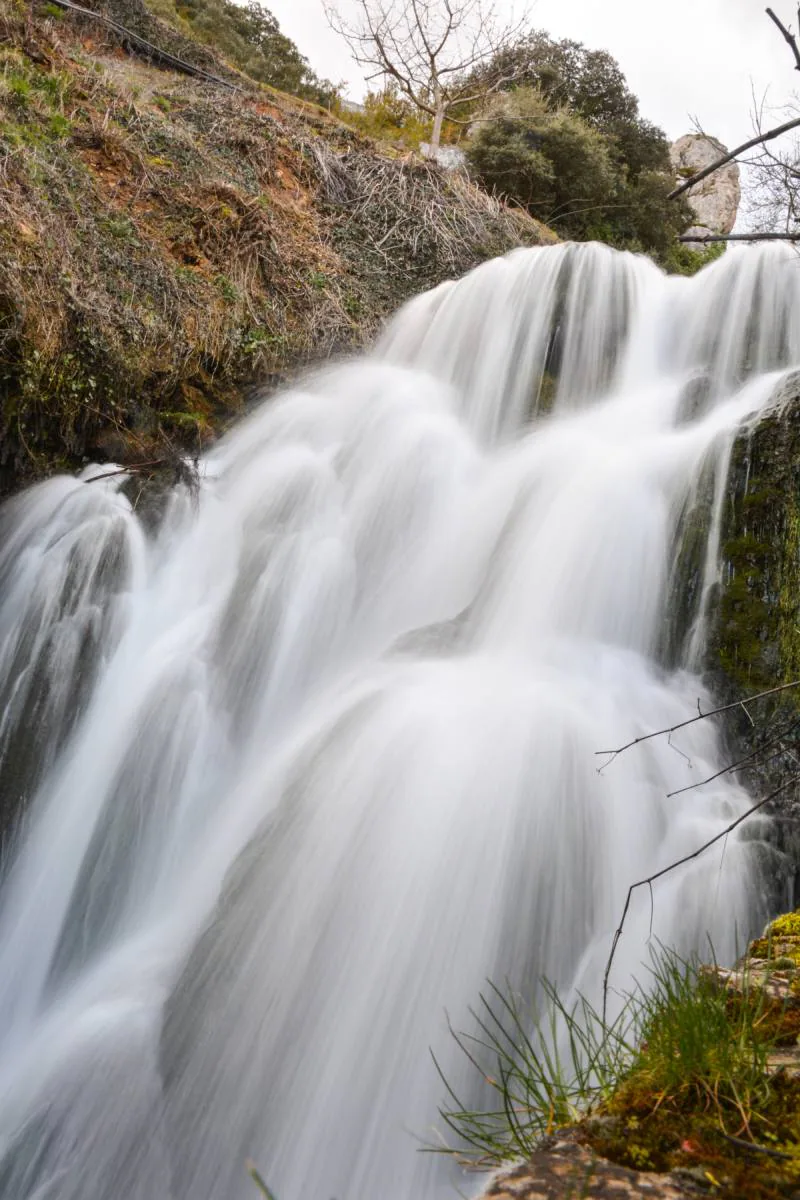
{"x": 300, "y": 765}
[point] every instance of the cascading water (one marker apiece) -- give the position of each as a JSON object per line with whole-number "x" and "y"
{"x": 306, "y": 764}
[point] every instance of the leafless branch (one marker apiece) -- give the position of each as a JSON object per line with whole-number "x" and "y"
{"x": 787, "y": 37}
{"x": 701, "y": 716}
{"x": 755, "y": 755}
{"x": 705, "y": 239}
{"x": 731, "y": 155}
{"x": 680, "y": 862}
{"x": 760, "y": 137}
{"x": 773, "y": 198}
{"x": 132, "y": 469}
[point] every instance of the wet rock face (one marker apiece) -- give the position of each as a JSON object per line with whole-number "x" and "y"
{"x": 715, "y": 200}
{"x": 757, "y": 637}
{"x": 754, "y": 631}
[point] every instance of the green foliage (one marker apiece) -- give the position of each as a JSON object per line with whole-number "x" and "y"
{"x": 696, "y": 1048}
{"x": 250, "y": 38}
{"x": 552, "y": 162}
{"x": 19, "y": 88}
{"x": 590, "y": 83}
{"x": 35, "y": 100}
{"x": 646, "y": 219}
{"x": 681, "y": 259}
{"x": 607, "y": 173}
{"x": 388, "y": 117}
{"x": 568, "y": 75}
{"x": 227, "y": 290}
{"x": 58, "y": 126}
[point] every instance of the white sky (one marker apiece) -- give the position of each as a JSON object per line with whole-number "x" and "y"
{"x": 682, "y": 58}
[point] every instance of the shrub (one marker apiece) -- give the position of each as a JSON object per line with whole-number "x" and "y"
{"x": 610, "y": 168}
{"x": 388, "y": 117}
{"x": 250, "y": 38}
{"x": 553, "y": 163}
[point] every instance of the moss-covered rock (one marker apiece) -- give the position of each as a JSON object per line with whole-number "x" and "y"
{"x": 754, "y": 624}
{"x": 755, "y": 638}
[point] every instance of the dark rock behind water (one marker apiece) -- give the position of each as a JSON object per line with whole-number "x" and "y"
{"x": 754, "y": 637}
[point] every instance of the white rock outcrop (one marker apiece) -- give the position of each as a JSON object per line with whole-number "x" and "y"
{"x": 715, "y": 200}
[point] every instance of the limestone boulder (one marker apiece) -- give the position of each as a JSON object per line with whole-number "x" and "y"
{"x": 715, "y": 200}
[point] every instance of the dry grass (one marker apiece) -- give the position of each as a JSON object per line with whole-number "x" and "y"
{"x": 164, "y": 243}
{"x": 417, "y": 214}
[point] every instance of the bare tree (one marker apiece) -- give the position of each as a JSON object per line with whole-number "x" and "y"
{"x": 774, "y": 200}
{"x": 433, "y": 51}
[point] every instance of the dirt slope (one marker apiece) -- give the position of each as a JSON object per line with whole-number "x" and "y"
{"x": 165, "y": 242}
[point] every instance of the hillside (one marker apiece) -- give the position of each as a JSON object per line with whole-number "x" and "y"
{"x": 167, "y": 242}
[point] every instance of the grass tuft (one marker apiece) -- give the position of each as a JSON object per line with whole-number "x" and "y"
{"x": 544, "y": 1070}
{"x": 682, "y": 1048}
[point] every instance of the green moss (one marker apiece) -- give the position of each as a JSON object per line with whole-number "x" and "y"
{"x": 717, "y": 1160}
{"x": 786, "y": 926}
{"x": 703, "y": 1095}
{"x": 780, "y": 942}
{"x": 755, "y": 637}
{"x": 789, "y": 594}
{"x": 547, "y": 393}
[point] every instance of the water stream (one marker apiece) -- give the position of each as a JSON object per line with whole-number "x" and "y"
{"x": 308, "y": 760}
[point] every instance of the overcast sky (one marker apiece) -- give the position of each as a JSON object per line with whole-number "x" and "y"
{"x": 682, "y": 58}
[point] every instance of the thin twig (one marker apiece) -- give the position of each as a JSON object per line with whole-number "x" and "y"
{"x": 701, "y": 716}
{"x": 253, "y": 1172}
{"x": 130, "y": 470}
{"x": 753, "y": 756}
{"x": 680, "y": 862}
{"x": 755, "y": 1146}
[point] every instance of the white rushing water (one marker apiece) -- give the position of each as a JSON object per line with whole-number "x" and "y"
{"x": 307, "y": 763}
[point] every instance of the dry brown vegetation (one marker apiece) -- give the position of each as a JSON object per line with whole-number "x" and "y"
{"x": 165, "y": 242}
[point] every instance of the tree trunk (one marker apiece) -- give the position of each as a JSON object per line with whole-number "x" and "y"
{"x": 438, "y": 121}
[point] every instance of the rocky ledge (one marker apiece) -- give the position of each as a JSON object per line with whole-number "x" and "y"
{"x": 566, "y": 1166}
